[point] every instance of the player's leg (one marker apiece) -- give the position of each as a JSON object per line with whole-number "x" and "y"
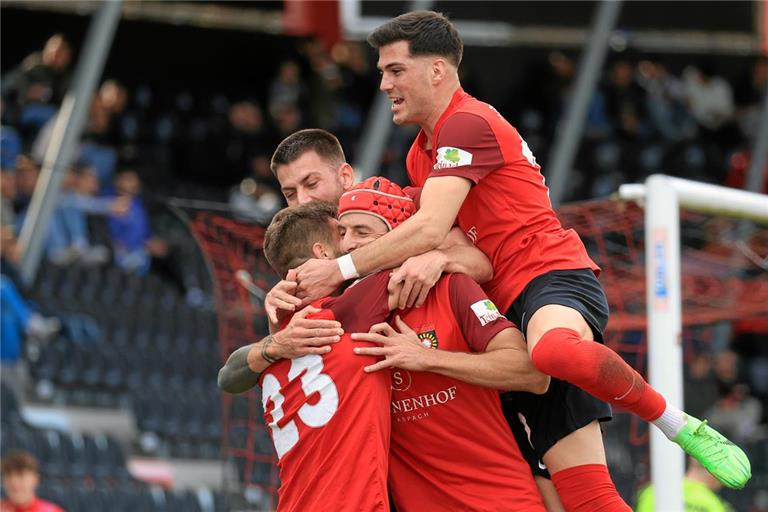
{"x": 580, "y": 472}
{"x": 549, "y": 494}
{"x": 561, "y": 345}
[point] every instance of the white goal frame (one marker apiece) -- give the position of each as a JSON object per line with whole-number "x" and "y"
{"x": 663, "y": 196}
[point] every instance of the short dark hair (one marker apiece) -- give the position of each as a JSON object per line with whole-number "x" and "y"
{"x": 322, "y": 142}
{"x": 289, "y": 237}
{"x": 19, "y": 461}
{"x": 427, "y": 32}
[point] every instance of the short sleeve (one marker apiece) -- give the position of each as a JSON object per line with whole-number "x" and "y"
{"x": 467, "y": 147}
{"x": 477, "y": 316}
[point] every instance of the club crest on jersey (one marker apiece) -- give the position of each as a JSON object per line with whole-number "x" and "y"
{"x": 428, "y": 339}
{"x": 485, "y": 311}
{"x": 452, "y": 157}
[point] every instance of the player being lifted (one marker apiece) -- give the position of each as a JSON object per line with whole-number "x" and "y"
{"x": 477, "y": 171}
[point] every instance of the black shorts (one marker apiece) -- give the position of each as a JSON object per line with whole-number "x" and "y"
{"x": 540, "y": 421}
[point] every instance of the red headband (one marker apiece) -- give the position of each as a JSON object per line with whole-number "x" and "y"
{"x": 378, "y": 197}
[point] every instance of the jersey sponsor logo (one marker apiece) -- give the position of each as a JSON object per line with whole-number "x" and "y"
{"x": 401, "y": 379}
{"x": 416, "y": 403}
{"x": 485, "y": 311}
{"x": 428, "y": 339}
{"x": 452, "y": 157}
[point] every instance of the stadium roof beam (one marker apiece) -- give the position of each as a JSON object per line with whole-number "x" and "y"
{"x": 474, "y": 33}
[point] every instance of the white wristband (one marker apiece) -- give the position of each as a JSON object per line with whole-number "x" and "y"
{"x": 347, "y": 267}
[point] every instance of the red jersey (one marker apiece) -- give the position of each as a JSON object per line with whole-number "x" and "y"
{"x": 36, "y": 505}
{"x": 451, "y": 448}
{"x": 507, "y": 214}
{"x": 329, "y": 419}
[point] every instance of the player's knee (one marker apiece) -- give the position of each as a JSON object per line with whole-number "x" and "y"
{"x": 558, "y": 349}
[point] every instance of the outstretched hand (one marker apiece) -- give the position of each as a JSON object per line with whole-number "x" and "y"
{"x": 400, "y": 349}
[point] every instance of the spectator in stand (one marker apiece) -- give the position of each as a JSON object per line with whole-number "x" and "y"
{"x": 665, "y": 102}
{"x": 17, "y": 320}
{"x": 287, "y": 88}
{"x": 247, "y": 139}
{"x": 37, "y": 86}
{"x": 257, "y": 198}
{"x": 136, "y": 250}
{"x": 710, "y": 99}
{"x": 68, "y": 238}
{"x": 624, "y": 100}
{"x": 324, "y": 88}
{"x": 20, "y": 480}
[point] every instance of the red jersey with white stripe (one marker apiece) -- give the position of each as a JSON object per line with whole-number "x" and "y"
{"x": 451, "y": 446}
{"x": 329, "y": 419}
{"x": 507, "y": 213}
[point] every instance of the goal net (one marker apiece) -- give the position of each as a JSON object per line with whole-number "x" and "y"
{"x": 723, "y": 292}
{"x": 241, "y": 275}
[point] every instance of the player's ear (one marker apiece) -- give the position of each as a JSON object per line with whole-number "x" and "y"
{"x": 320, "y": 251}
{"x": 347, "y": 176}
{"x": 439, "y": 70}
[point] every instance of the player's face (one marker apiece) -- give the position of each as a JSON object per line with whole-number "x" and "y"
{"x": 20, "y": 486}
{"x": 405, "y": 79}
{"x": 310, "y": 178}
{"x": 359, "y": 229}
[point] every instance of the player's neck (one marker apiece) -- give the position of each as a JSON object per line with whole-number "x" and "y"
{"x": 442, "y": 100}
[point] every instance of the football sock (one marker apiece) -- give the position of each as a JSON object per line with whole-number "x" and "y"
{"x": 588, "y": 488}
{"x": 598, "y": 370}
{"x": 671, "y": 421}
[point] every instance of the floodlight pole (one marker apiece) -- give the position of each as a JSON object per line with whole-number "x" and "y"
{"x": 67, "y": 128}
{"x": 569, "y": 133}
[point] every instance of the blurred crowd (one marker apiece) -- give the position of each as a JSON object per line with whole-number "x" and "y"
{"x": 646, "y": 118}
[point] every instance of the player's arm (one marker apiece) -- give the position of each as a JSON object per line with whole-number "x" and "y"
{"x": 300, "y": 337}
{"x": 418, "y": 274}
{"x": 441, "y": 200}
{"x": 504, "y": 365}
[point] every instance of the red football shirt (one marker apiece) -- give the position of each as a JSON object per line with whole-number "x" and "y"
{"x": 507, "y": 213}
{"x": 37, "y": 505}
{"x": 451, "y": 446}
{"x": 330, "y": 420}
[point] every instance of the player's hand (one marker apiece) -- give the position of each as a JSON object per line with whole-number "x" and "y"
{"x": 304, "y": 336}
{"x": 281, "y": 299}
{"x": 317, "y": 278}
{"x": 400, "y": 349}
{"x": 418, "y": 275}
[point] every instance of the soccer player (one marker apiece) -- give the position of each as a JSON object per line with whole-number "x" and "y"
{"x": 20, "y": 480}
{"x": 451, "y": 447}
{"x": 329, "y": 420}
{"x": 477, "y": 171}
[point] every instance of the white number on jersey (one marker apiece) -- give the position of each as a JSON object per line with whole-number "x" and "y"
{"x": 309, "y": 369}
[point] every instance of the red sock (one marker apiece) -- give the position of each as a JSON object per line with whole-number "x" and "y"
{"x": 598, "y": 370}
{"x": 588, "y": 488}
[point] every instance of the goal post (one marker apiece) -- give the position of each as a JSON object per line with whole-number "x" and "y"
{"x": 663, "y": 196}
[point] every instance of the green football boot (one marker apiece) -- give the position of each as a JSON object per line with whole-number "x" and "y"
{"x": 723, "y": 459}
